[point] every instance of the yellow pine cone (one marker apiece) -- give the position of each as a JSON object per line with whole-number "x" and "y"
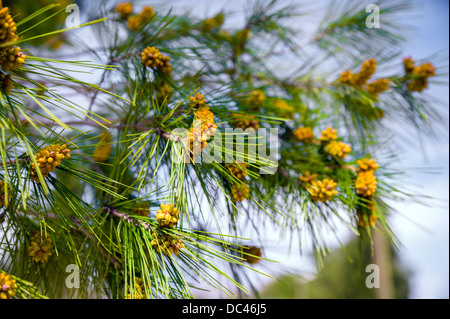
{"x": 322, "y": 191}
{"x": 308, "y": 178}
{"x": 141, "y": 209}
{"x": 239, "y": 192}
{"x": 166, "y": 66}
{"x": 48, "y": 159}
{"x": 3, "y": 200}
{"x": 40, "y": 249}
{"x": 7, "y": 27}
{"x": 304, "y": 134}
{"x": 12, "y": 59}
{"x": 138, "y": 290}
{"x": 337, "y": 149}
{"x": 366, "y": 183}
{"x": 367, "y": 70}
{"x": 378, "y": 86}
{"x": 104, "y": 148}
{"x": 408, "y": 64}
{"x": 164, "y": 92}
{"x": 367, "y": 164}
{"x": 245, "y": 121}
{"x": 7, "y": 286}
{"x": 256, "y": 99}
{"x": 252, "y": 250}
{"x": 197, "y": 101}
{"x": 151, "y": 57}
{"x": 206, "y": 117}
{"x": 136, "y": 21}
{"x": 168, "y": 215}
{"x": 195, "y": 141}
{"x": 420, "y": 76}
{"x": 346, "y": 77}
{"x": 367, "y": 215}
{"x": 214, "y": 22}
{"x": 6, "y": 83}
{"x": 282, "y": 108}
{"x": 125, "y": 9}
{"x": 146, "y": 14}
{"x": 330, "y": 134}
{"x": 237, "y": 170}
{"x": 167, "y": 244}
{"x": 370, "y": 219}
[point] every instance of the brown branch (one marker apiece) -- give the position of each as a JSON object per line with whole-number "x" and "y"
{"x": 125, "y": 217}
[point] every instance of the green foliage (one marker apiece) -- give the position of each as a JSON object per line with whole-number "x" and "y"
{"x": 128, "y": 155}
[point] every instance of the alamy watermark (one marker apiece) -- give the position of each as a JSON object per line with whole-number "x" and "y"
{"x": 73, "y": 279}
{"x": 373, "y": 279}
{"x": 73, "y": 19}
{"x": 373, "y": 19}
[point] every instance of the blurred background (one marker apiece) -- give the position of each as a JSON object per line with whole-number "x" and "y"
{"x": 421, "y": 265}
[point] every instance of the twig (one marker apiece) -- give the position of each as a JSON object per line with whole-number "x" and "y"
{"x": 113, "y": 211}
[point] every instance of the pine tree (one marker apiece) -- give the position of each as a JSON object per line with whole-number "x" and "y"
{"x": 151, "y": 184}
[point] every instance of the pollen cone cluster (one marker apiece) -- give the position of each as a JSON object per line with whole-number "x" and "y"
{"x": 304, "y": 134}
{"x": 378, "y": 86}
{"x": 164, "y": 92}
{"x": 197, "y": 136}
{"x": 418, "y": 76}
{"x": 48, "y": 159}
{"x": 256, "y": 99}
{"x": 152, "y": 58}
{"x": 367, "y": 164}
{"x": 240, "y": 192}
{"x": 40, "y": 248}
{"x": 11, "y": 58}
{"x": 366, "y": 215}
{"x": 5, "y": 83}
{"x": 367, "y": 70}
{"x": 104, "y": 148}
{"x": 245, "y": 121}
{"x": 322, "y": 191}
{"x": 283, "y": 109}
{"x": 7, "y": 27}
{"x": 361, "y": 79}
{"x": 134, "y": 22}
{"x": 197, "y": 101}
{"x": 366, "y": 185}
{"x": 125, "y": 9}
{"x": 168, "y": 216}
{"x": 237, "y": 170}
{"x": 308, "y": 178}
{"x": 166, "y": 244}
{"x": 213, "y": 23}
{"x": 7, "y": 286}
{"x": 330, "y": 134}
{"x": 338, "y": 149}
{"x": 138, "y": 290}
